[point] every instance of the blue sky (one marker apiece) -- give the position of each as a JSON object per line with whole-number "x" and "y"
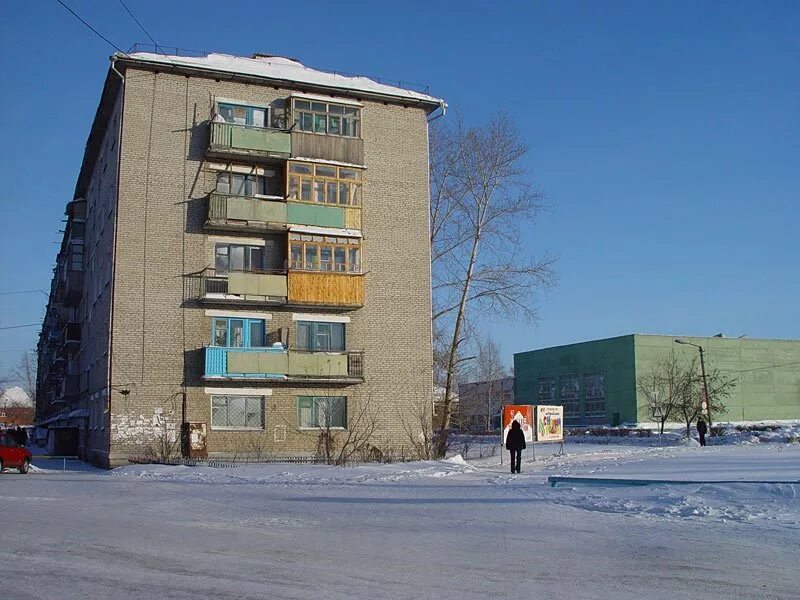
{"x": 665, "y": 134}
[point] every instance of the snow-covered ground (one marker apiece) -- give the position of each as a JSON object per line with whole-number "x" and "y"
{"x": 439, "y": 529}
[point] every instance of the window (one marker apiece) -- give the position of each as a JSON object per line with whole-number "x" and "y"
{"x": 325, "y": 253}
{"x": 238, "y": 257}
{"x": 250, "y": 116}
{"x": 547, "y": 390}
{"x": 237, "y": 184}
{"x": 322, "y": 411}
{"x": 324, "y": 184}
{"x": 568, "y": 395}
{"x": 320, "y": 337}
{"x": 241, "y": 185}
{"x": 327, "y": 118}
{"x": 594, "y": 395}
{"x": 237, "y": 412}
{"x": 235, "y": 332}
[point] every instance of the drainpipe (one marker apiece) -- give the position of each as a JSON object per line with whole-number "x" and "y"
{"x": 443, "y": 107}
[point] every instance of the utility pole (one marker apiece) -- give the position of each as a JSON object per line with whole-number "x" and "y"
{"x": 705, "y": 382}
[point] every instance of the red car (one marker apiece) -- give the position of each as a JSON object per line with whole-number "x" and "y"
{"x": 12, "y": 455}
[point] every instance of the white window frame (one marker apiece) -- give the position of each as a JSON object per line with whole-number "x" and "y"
{"x": 247, "y": 397}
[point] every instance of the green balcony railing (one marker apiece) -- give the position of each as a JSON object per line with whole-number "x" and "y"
{"x": 255, "y": 140}
{"x": 229, "y": 210}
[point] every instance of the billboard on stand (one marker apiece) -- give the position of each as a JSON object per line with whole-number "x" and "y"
{"x": 549, "y": 423}
{"x": 518, "y": 412}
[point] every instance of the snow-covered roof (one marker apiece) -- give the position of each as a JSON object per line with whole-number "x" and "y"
{"x": 15, "y": 396}
{"x": 282, "y": 69}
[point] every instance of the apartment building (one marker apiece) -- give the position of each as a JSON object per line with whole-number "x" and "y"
{"x": 245, "y": 264}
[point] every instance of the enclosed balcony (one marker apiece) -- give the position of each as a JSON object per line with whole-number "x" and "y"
{"x": 342, "y": 290}
{"x": 278, "y": 364}
{"x": 342, "y": 149}
{"x": 320, "y": 215}
{"x": 231, "y": 139}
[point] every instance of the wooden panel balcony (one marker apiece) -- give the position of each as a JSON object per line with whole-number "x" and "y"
{"x": 343, "y": 290}
{"x": 327, "y": 147}
{"x": 228, "y": 139}
{"x": 244, "y": 213}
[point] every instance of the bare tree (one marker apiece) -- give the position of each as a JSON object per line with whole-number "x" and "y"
{"x": 417, "y": 426}
{"x": 480, "y": 196}
{"x": 482, "y": 402}
{"x": 339, "y": 446}
{"x": 25, "y": 374}
{"x": 690, "y": 406}
{"x": 663, "y": 389}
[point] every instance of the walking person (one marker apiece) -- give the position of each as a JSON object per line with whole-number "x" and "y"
{"x": 515, "y": 443}
{"x": 702, "y": 428}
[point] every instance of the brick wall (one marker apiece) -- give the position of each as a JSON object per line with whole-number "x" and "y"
{"x": 158, "y": 335}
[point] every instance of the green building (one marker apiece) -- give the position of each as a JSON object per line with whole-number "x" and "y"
{"x": 595, "y": 381}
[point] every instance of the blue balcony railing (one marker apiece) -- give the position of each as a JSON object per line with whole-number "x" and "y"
{"x": 279, "y": 363}
{"x": 246, "y": 362}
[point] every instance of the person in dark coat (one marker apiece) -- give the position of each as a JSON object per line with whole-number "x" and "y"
{"x": 21, "y": 437}
{"x": 515, "y": 443}
{"x": 701, "y": 431}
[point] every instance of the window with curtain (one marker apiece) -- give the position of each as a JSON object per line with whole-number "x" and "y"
{"x": 324, "y": 184}
{"x": 320, "y": 337}
{"x": 325, "y": 253}
{"x": 327, "y": 118}
{"x": 238, "y": 257}
{"x": 235, "y": 332}
{"x": 237, "y": 412}
{"x": 322, "y": 411}
{"x": 240, "y": 114}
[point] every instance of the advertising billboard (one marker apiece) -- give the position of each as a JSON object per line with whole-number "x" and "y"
{"x": 518, "y": 412}
{"x": 549, "y": 423}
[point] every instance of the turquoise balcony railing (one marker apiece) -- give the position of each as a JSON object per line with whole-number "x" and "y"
{"x": 277, "y": 363}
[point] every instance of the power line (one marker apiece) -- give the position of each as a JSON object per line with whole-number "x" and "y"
{"x": 23, "y": 292}
{"x": 97, "y": 33}
{"x": 147, "y": 33}
{"x": 21, "y": 326}
{"x": 128, "y": 10}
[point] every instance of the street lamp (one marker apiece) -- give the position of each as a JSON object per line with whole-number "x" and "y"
{"x": 703, "y": 371}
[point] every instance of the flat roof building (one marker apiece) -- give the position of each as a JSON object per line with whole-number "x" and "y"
{"x": 245, "y": 264}
{"x": 595, "y": 381}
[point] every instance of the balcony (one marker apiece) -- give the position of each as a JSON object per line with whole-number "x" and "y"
{"x": 228, "y": 139}
{"x": 232, "y": 213}
{"x": 282, "y": 365}
{"x": 70, "y": 388}
{"x": 71, "y": 339}
{"x": 322, "y": 215}
{"x": 342, "y": 290}
{"x": 238, "y": 212}
{"x": 245, "y": 288}
{"x": 55, "y": 336}
{"x": 327, "y": 147}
